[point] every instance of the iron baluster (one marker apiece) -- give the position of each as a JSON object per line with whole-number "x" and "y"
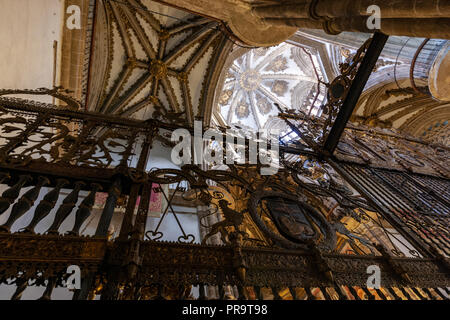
{"x": 10, "y": 195}
{"x": 429, "y": 293}
{"x": 22, "y": 284}
{"x": 108, "y": 211}
{"x": 66, "y": 208}
{"x": 24, "y": 204}
{"x": 354, "y": 293}
{"x": 46, "y": 205}
{"x": 127, "y": 223}
{"x": 418, "y": 294}
{"x": 202, "y": 292}
{"x": 142, "y": 214}
{"x": 47, "y": 295}
{"x": 84, "y": 210}
{"x": 440, "y": 294}
{"x": 325, "y": 293}
{"x": 381, "y": 294}
{"x": 340, "y": 292}
{"x": 309, "y": 294}
{"x": 276, "y": 293}
{"x": 405, "y": 293}
{"x": 393, "y": 293}
{"x": 293, "y": 292}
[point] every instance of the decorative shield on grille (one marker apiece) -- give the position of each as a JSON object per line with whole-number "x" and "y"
{"x": 290, "y": 221}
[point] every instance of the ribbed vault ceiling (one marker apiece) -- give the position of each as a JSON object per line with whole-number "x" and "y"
{"x": 254, "y": 81}
{"x": 147, "y": 65}
{"x": 403, "y": 109}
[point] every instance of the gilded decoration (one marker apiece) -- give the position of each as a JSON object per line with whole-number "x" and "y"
{"x": 158, "y": 69}
{"x": 225, "y": 97}
{"x": 263, "y": 104}
{"x": 400, "y": 97}
{"x": 348, "y": 55}
{"x": 250, "y": 80}
{"x": 277, "y": 65}
{"x": 280, "y": 87}
{"x": 439, "y": 133}
{"x": 242, "y": 110}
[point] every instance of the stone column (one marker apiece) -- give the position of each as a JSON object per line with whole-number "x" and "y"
{"x": 350, "y": 8}
{"x": 389, "y": 9}
{"x": 258, "y": 23}
{"x": 415, "y": 18}
{"x": 427, "y": 28}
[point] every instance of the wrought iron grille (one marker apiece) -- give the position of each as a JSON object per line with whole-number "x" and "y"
{"x": 419, "y": 202}
{"x": 319, "y": 249}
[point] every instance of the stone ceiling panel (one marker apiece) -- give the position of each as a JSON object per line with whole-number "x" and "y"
{"x": 258, "y": 79}
{"x": 158, "y": 60}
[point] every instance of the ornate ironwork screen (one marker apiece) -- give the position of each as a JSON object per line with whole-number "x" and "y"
{"x": 308, "y": 232}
